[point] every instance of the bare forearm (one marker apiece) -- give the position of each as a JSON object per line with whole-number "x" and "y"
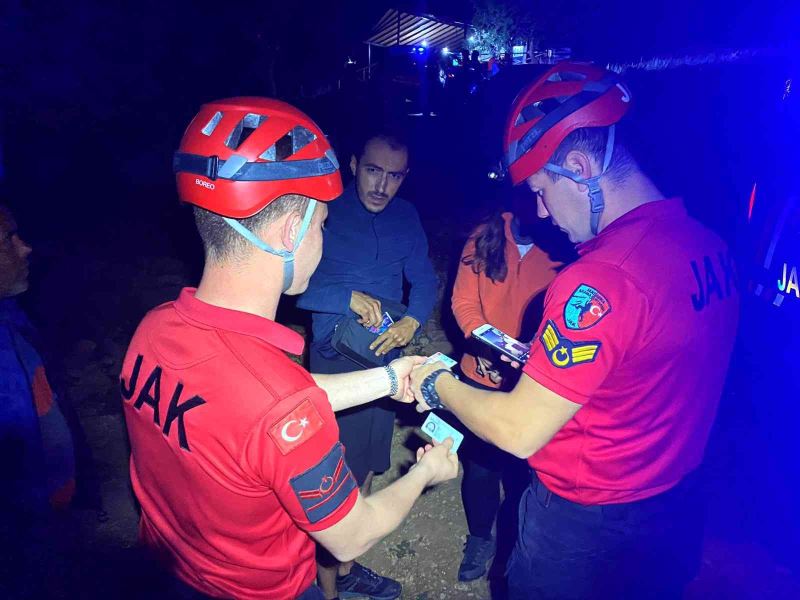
{"x": 485, "y": 413}
{"x": 346, "y": 390}
{"x": 520, "y": 422}
{"x": 386, "y": 509}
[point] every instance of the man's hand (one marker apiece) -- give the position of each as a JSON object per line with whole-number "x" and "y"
{"x": 418, "y": 375}
{"x": 367, "y": 308}
{"x": 403, "y": 367}
{"x": 485, "y": 368}
{"x": 397, "y": 336}
{"x": 437, "y": 460}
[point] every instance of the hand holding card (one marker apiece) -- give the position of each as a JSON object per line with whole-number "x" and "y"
{"x": 438, "y": 430}
{"x": 386, "y": 322}
{"x": 366, "y": 307}
{"x": 397, "y": 335}
{"x": 438, "y": 460}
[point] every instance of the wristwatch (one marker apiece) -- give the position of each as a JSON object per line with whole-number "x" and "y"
{"x": 428, "y": 389}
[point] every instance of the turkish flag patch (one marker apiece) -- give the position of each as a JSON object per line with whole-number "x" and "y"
{"x": 297, "y": 427}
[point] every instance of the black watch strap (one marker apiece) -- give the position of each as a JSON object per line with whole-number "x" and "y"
{"x": 428, "y": 389}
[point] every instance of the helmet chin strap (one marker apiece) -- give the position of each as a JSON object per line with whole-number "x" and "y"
{"x": 286, "y": 255}
{"x": 596, "y": 200}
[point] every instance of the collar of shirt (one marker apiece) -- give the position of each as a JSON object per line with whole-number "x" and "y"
{"x": 659, "y": 209}
{"x": 239, "y": 322}
{"x": 349, "y": 206}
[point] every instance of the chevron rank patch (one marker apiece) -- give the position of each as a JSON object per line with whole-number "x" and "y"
{"x": 325, "y": 486}
{"x": 563, "y": 352}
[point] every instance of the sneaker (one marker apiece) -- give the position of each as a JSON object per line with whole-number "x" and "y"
{"x": 478, "y": 552}
{"x": 364, "y": 582}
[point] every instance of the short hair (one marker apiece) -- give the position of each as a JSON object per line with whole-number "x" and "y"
{"x": 221, "y": 242}
{"x": 592, "y": 141}
{"x": 393, "y": 139}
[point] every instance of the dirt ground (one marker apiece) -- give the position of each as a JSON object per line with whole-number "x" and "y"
{"x": 424, "y": 552}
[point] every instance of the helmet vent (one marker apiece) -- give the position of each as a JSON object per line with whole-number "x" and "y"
{"x": 301, "y": 137}
{"x": 566, "y": 76}
{"x": 294, "y": 141}
{"x": 537, "y": 110}
{"x": 212, "y": 124}
{"x": 244, "y": 128}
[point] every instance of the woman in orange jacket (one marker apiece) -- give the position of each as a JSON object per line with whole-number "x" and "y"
{"x": 501, "y": 280}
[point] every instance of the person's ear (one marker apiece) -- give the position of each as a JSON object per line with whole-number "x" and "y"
{"x": 579, "y": 163}
{"x": 353, "y": 164}
{"x": 290, "y": 228}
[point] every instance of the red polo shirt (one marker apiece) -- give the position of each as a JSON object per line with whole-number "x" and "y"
{"x": 639, "y": 331}
{"x": 234, "y": 450}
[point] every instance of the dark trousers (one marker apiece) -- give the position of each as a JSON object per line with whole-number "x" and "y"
{"x": 365, "y": 431}
{"x": 646, "y": 549}
{"x": 485, "y": 468}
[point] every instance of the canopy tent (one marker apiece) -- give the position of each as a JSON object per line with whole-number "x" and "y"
{"x": 398, "y": 28}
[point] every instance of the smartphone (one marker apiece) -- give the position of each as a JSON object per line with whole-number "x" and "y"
{"x": 503, "y": 343}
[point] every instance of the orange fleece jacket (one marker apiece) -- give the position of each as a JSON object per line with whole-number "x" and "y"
{"x": 478, "y": 300}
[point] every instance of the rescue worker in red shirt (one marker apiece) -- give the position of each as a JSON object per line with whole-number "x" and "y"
{"x": 616, "y": 401}
{"x": 235, "y": 453}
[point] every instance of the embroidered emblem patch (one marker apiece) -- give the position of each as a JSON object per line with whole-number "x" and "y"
{"x": 295, "y": 428}
{"x": 585, "y": 307}
{"x": 563, "y": 352}
{"x": 325, "y": 486}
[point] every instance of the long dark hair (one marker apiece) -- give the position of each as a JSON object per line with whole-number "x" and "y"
{"x": 489, "y": 256}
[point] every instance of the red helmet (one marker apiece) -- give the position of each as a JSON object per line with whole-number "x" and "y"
{"x": 240, "y": 154}
{"x": 567, "y": 97}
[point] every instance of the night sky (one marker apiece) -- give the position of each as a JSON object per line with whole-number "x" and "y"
{"x": 95, "y": 95}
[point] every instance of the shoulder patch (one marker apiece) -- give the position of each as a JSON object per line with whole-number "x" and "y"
{"x": 297, "y": 427}
{"x": 585, "y": 307}
{"x": 325, "y": 486}
{"x": 563, "y": 352}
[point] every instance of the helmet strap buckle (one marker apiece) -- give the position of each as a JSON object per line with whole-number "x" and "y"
{"x": 596, "y": 202}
